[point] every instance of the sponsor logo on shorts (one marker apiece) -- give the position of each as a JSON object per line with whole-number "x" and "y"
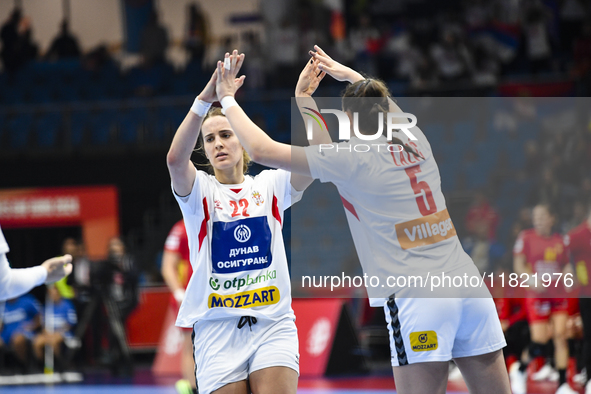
{"x": 423, "y": 341}
{"x": 247, "y": 299}
{"x": 427, "y": 230}
{"x": 238, "y": 283}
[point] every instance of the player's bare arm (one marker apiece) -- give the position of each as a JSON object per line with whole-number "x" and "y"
{"x": 307, "y": 84}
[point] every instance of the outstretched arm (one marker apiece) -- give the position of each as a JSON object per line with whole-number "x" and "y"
{"x": 261, "y": 148}
{"x": 16, "y": 282}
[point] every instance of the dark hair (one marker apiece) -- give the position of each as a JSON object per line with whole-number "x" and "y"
{"x": 217, "y": 111}
{"x": 375, "y": 96}
{"x": 549, "y": 208}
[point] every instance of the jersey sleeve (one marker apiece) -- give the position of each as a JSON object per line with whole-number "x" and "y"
{"x": 15, "y": 282}
{"x": 331, "y": 164}
{"x": 282, "y": 188}
{"x": 191, "y": 204}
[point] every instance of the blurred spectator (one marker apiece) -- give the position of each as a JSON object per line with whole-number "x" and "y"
{"x": 482, "y": 216}
{"x": 17, "y": 45}
{"x": 533, "y": 159}
{"x": 27, "y": 49}
{"x": 22, "y": 317}
{"x": 255, "y": 67}
{"x": 64, "y": 46}
{"x": 537, "y": 37}
{"x": 78, "y": 284}
{"x": 63, "y": 319}
{"x": 197, "y": 34}
{"x": 120, "y": 276}
{"x": 154, "y": 42}
{"x": 10, "y": 36}
{"x": 119, "y": 288}
{"x": 365, "y": 42}
{"x": 547, "y": 191}
{"x": 285, "y": 54}
{"x": 96, "y": 58}
{"x": 452, "y": 56}
{"x": 484, "y": 251}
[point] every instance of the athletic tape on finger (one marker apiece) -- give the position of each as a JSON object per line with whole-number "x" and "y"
{"x": 227, "y": 63}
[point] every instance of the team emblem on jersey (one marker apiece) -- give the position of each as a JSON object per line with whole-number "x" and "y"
{"x": 423, "y": 341}
{"x": 242, "y": 233}
{"x": 258, "y": 199}
{"x": 218, "y": 204}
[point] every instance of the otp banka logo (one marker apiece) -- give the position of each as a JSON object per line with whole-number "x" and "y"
{"x": 345, "y": 124}
{"x": 242, "y": 233}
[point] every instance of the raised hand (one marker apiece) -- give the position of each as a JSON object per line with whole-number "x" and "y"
{"x": 309, "y": 79}
{"x": 226, "y": 82}
{"x": 334, "y": 68}
{"x": 208, "y": 94}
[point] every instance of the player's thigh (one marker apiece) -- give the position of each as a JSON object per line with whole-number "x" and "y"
{"x": 221, "y": 353}
{"x": 274, "y": 380}
{"x": 422, "y": 377}
{"x": 276, "y": 355}
{"x": 485, "y": 373}
{"x": 240, "y": 387}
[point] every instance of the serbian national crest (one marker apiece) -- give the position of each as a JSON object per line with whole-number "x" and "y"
{"x": 258, "y": 199}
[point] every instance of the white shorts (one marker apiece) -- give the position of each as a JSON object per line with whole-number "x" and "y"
{"x": 439, "y": 329}
{"x": 226, "y": 354}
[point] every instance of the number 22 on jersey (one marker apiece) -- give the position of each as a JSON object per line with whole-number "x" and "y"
{"x": 242, "y": 203}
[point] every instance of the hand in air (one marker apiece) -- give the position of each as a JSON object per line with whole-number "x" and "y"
{"x": 208, "y": 94}
{"x": 226, "y": 82}
{"x": 334, "y": 68}
{"x": 309, "y": 79}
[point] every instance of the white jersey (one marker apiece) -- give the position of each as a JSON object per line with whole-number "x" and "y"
{"x": 3, "y": 245}
{"x": 236, "y": 248}
{"x": 14, "y": 283}
{"x": 394, "y": 205}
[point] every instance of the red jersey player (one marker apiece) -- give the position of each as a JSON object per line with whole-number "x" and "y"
{"x": 578, "y": 247}
{"x": 176, "y": 271}
{"x": 539, "y": 251}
